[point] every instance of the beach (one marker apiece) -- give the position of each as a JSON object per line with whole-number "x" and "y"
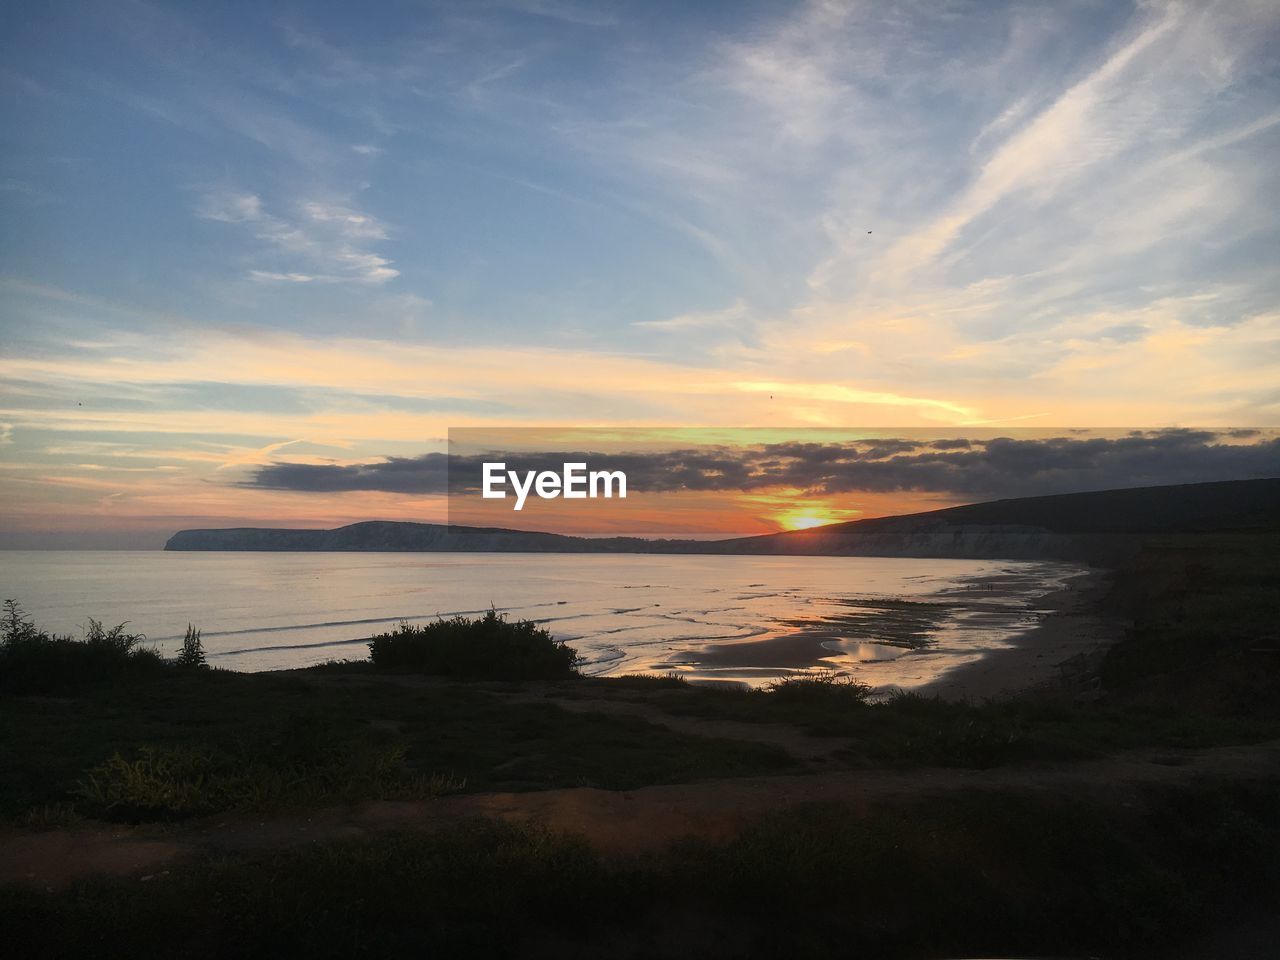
{"x": 1071, "y": 631}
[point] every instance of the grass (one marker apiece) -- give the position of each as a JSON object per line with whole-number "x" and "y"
{"x": 981, "y": 875}
{"x": 1206, "y": 633}
{"x": 256, "y": 740}
{"x": 104, "y": 728}
{"x": 173, "y": 782}
{"x": 914, "y": 730}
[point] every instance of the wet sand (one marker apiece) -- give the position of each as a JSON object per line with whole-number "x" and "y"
{"x": 984, "y": 637}
{"x": 1071, "y": 625}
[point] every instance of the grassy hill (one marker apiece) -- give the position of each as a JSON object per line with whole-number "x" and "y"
{"x": 1068, "y": 526}
{"x": 1180, "y": 508}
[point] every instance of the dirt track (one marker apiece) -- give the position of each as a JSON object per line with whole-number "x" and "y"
{"x": 623, "y": 822}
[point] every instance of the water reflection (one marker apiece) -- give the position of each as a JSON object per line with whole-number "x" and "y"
{"x": 892, "y": 622}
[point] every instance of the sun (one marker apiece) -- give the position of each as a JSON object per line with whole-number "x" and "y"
{"x": 796, "y": 509}
{"x": 802, "y": 520}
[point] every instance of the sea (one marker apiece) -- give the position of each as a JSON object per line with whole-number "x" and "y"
{"x": 891, "y": 622}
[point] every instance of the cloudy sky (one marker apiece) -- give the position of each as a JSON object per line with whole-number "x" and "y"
{"x": 237, "y": 237}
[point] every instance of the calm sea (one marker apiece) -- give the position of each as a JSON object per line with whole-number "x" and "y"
{"x": 890, "y": 621}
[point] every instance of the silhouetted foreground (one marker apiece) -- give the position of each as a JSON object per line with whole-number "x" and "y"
{"x": 487, "y": 648}
{"x": 1031, "y": 862}
{"x": 976, "y": 875}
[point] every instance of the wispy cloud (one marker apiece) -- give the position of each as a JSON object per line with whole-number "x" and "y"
{"x": 332, "y": 240}
{"x": 596, "y": 14}
{"x": 735, "y": 313}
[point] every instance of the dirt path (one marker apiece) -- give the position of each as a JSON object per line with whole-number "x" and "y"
{"x": 621, "y": 822}
{"x": 812, "y": 752}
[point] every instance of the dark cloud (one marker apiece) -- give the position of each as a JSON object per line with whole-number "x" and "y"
{"x": 425, "y": 474}
{"x": 1003, "y": 467}
{"x": 1008, "y": 467}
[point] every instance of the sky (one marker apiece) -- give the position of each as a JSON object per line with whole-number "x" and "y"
{"x": 242, "y": 237}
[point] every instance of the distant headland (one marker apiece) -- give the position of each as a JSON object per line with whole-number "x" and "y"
{"x": 1092, "y": 526}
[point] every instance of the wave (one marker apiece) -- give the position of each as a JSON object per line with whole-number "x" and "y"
{"x": 319, "y": 624}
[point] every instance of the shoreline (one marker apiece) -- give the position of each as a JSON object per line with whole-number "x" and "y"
{"x": 1072, "y": 625}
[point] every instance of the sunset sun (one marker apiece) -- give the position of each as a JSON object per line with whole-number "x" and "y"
{"x": 803, "y": 520}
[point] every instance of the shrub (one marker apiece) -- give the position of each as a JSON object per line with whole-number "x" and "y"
{"x": 192, "y": 653}
{"x": 16, "y": 626}
{"x": 820, "y": 688}
{"x": 488, "y": 648}
{"x": 35, "y": 661}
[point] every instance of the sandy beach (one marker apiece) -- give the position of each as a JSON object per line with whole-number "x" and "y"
{"x": 1071, "y": 625}
{"x": 988, "y": 635}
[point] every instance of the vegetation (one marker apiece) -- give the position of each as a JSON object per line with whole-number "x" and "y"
{"x": 489, "y": 648}
{"x": 1206, "y": 633}
{"x": 169, "y": 782}
{"x": 1045, "y": 875}
{"x": 1193, "y": 672}
{"x": 913, "y": 729}
{"x": 191, "y": 656}
{"x": 191, "y": 741}
{"x": 823, "y": 688}
{"x": 35, "y": 661}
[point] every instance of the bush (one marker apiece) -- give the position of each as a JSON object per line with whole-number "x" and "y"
{"x": 820, "y": 688}
{"x": 35, "y": 661}
{"x": 488, "y": 648}
{"x": 191, "y": 655}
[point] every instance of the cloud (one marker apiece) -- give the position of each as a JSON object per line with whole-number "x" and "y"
{"x": 1018, "y": 468}
{"x": 992, "y": 204}
{"x": 332, "y": 239}
{"x": 837, "y": 393}
{"x": 231, "y": 207}
{"x": 552, "y": 384}
{"x": 283, "y": 277}
{"x": 957, "y": 468}
{"x": 580, "y": 14}
{"x": 1075, "y": 132}
{"x": 410, "y": 475}
{"x": 731, "y": 315}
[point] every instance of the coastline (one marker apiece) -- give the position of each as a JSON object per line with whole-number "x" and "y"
{"x": 1072, "y": 624}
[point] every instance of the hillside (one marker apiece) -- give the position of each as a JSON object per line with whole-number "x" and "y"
{"x": 1076, "y": 526}
{"x": 1181, "y": 508}
{"x": 1100, "y": 526}
{"x": 393, "y": 536}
